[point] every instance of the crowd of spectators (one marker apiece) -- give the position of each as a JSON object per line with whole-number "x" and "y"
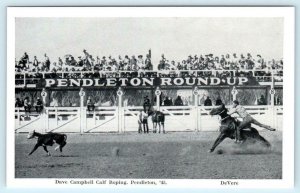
{"x": 225, "y": 62}
{"x": 140, "y": 63}
{"x": 84, "y": 63}
{"x": 27, "y": 105}
{"x": 87, "y": 66}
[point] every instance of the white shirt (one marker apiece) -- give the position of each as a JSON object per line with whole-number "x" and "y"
{"x": 241, "y": 111}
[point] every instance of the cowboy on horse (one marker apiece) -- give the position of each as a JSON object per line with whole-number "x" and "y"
{"x": 247, "y": 120}
{"x": 229, "y": 126}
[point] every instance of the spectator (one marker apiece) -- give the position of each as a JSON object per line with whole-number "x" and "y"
{"x": 80, "y": 62}
{"x": 278, "y": 101}
{"x": 47, "y": 62}
{"x": 73, "y": 62}
{"x": 140, "y": 63}
{"x": 262, "y": 100}
{"x": 24, "y": 61}
{"x": 39, "y": 105}
{"x": 143, "y": 118}
{"x": 133, "y": 63}
{"x": 35, "y": 62}
{"x": 178, "y": 101}
{"x": 27, "y": 106}
{"x": 207, "y": 102}
{"x": 146, "y": 105}
{"x": 60, "y": 62}
{"x": 167, "y": 101}
{"x": 87, "y": 59}
{"x": 219, "y": 101}
{"x": 126, "y": 63}
{"x": 90, "y": 105}
{"x": 171, "y": 101}
{"x": 18, "y": 103}
{"x": 148, "y": 64}
{"x": 162, "y": 63}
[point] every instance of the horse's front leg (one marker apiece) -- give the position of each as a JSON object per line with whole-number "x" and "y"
{"x": 163, "y": 127}
{"x": 46, "y": 150}
{"x": 159, "y": 127}
{"x": 154, "y": 127}
{"x": 34, "y": 148}
{"x": 220, "y": 138}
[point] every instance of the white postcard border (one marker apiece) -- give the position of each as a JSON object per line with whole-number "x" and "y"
{"x": 288, "y": 13}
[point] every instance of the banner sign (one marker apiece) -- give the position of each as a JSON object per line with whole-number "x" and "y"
{"x": 135, "y": 82}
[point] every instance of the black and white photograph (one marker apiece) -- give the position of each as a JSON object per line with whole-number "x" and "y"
{"x": 150, "y": 96}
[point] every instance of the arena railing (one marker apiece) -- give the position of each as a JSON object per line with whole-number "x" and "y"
{"x": 24, "y": 78}
{"x": 58, "y": 117}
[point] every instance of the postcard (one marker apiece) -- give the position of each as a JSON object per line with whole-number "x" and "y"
{"x": 198, "y": 97}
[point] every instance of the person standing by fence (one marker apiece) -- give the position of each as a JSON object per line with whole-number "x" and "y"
{"x": 147, "y": 104}
{"x": 143, "y": 119}
{"x": 39, "y": 105}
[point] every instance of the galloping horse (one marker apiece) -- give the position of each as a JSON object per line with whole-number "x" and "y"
{"x": 157, "y": 118}
{"x": 228, "y": 129}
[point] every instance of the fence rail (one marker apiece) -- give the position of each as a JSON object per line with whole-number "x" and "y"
{"x": 123, "y": 119}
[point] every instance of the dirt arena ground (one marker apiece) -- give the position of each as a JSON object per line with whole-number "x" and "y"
{"x": 178, "y": 155}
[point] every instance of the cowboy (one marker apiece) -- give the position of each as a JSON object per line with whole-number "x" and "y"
{"x": 90, "y": 105}
{"x": 207, "y": 101}
{"x": 39, "y": 105}
{"x": 247, "y": 119}
{"x": 143, "y": 118}
{"x": 35, "y": 62}
{"x": 146, "y": 104}
{"x": 27, "y": 106}
{"x": 47, "y": 61}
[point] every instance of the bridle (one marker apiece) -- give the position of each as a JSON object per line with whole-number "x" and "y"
{"x": 224, "y": 117}
{"x": 221, "y": 112}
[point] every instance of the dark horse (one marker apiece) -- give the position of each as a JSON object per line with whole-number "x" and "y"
{"x": 48, "y": 139}
{"x": 228, "y": 129}
{"x": 157, "y": 117}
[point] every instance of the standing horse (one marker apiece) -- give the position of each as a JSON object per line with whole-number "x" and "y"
{"x": 157, "y": 118}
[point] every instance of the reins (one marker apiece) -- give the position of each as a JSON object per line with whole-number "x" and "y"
{"x": 221, "y": 112}
{"x": 225, "y": 118}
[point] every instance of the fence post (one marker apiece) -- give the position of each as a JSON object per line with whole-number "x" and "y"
{"x": 157, "y": 93}
{"x": 272, "y": 93}
{"x": 81, "y": 111}
{"x": 196, "y": 94}
{"x": 234, "y": 92}
{"x": 44, "y": 115}
{"x": 119, "y": 110}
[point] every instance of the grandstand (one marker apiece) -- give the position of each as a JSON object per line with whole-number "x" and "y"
{"x": 117, "y": 87}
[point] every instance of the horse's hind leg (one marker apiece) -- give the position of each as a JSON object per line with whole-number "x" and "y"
{"x": 154, "y": 127}
{"x": 159, "y": 127}
{"x": 62, "y": 145}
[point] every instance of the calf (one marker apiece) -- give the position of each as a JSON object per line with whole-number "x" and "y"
{"x": 47, "y": 139}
